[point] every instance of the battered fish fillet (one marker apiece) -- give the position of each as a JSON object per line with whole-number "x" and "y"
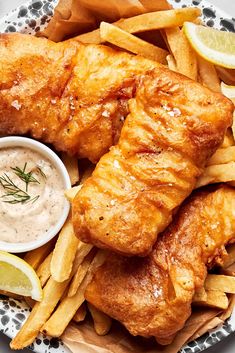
{"x": 174, "y": 126}
{"x": 152, "y": 296}
{"x": 67, "y": 94}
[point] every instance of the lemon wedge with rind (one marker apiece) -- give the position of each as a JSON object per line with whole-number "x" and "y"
{"x": 16, "y": 276}
{"x": 217, "y": 47}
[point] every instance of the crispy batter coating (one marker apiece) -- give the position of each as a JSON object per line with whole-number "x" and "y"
{"x": 152, "y": 296}
{"x": 67, "y": 94}
{"x": 174, "y": 126}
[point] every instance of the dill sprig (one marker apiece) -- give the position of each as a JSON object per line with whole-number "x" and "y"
{"x": 41, "y": 172}
{"x": 26, "y": 177}
{"x": 14, "y": 194}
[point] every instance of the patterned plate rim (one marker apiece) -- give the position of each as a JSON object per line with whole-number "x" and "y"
{"x": 31, "y": 17}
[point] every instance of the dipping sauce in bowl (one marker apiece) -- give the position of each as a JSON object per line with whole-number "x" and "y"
{"x": 33, "y": 207}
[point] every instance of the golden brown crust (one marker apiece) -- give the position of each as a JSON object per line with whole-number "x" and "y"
{"x": 174, "y": 126}
{"x": 67, "y": 94}
{"x": 152, "y": 296}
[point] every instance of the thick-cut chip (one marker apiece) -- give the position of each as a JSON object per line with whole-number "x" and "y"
{"x": 102, "y": 322}
{"x": 65, "y": 312}
{"x": 200, "y": 295}
{"x": 230, "y": 259}
{"x": 39, "y": 315}
{"x": 214, "y": 298}
{"x": 222, "y": 156}
{"x": 171, "y": 63}
{"x": 185, "y": 57}
{"x": 67, "y": 308}
{"x": 208, "y": 74}
{"x": 228, "y": 139}
{"x": 127, "y": 41}
{"x": 44, "y": 271}
{"x": 220, "y": 283}
{"x": 158, "y": 20}
{"x": 35, "y": 257}
{"x": 82, "y": 251}
{"x": 221, "y": 173}
{"x": 80, "y": 313}
{"x": 71, "y": 193}
{"x": 71, "y": 164}
{"x": 146, "y": 22}
{"x": 81, "y": 273}
{"x": 64, "y": 253}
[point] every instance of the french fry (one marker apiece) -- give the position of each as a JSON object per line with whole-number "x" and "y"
{"x": 127, "y": 41}
{"x": 97, "y": 261}
{"x": 71, "y": 164}
{"x": 64, "y": 253}
{"x": 67, "y": 308}
{"x": 40, "y": 313}
{"x": 186, "y": 61}
{"x": 44, "y": 271}
{"x": 65, "y": 312}
{"x": 83, "y": 250}
{"x": 222, "y": 156}
{"x": 159, "y": 20}
{"x": 146, "y": 22}
{"x": 208, "y": 74}
{"x": 171, "y": 62}
{"x": 92, "y": 37}
{"x": 227, "y": 313}
{"x": 80, "y": 274}
{"x": 102, "y": 322}
{"x": 80, "y": 313}
{"x": 220, "y": 283}
{"x": 221, "y": 173}
{"x": 71, "y": 193}
{"x": 228, "y": 139}
{"x": 230, "y": 259}
{"x": 214, "y": 298}
{"x": 200, "y": 295}
{"x": 35, "y": 257}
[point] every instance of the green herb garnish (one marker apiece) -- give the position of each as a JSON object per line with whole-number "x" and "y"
{"x": 13, "y": 193}
{"x": 26, "y": 177}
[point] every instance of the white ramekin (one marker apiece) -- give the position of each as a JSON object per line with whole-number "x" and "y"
{"x": 16, "y": 141}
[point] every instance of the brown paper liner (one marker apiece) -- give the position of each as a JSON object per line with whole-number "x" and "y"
{"x": 73, "y": 17}
{"x": 83, "y": 338}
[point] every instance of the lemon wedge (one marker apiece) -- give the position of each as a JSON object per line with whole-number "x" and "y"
{"x": 217, "y": 47}
{"x": 16, "y": 276}
{"x": 227, "y": 90}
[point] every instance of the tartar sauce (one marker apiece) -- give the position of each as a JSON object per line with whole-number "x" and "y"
{"x": 31, "y": 195}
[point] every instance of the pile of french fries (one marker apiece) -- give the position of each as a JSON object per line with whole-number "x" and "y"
{"x": 66, "y": 267}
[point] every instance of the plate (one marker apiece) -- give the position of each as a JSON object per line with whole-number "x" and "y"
{"x": 30, "y": 18}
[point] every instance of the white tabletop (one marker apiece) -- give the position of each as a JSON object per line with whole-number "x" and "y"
{"x": 228, "y": 345}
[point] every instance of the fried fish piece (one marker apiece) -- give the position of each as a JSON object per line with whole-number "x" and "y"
{"x": 67, "y": 94}
{"x": 174, "y": 126}
{"x": 152, "y": 296}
